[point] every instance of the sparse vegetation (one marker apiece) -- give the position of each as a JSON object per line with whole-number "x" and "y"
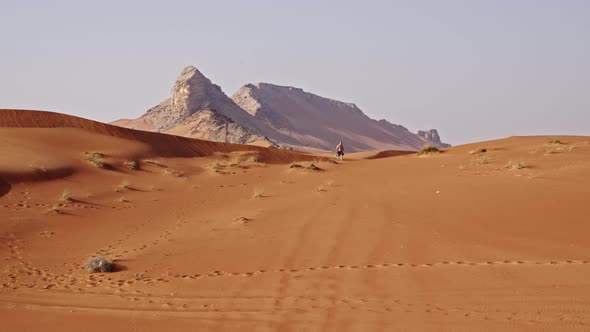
{"x": 215, "y": 167}
{"x": 66, "y": 197}
{"x": 236, "y": 160}
{"x": 258, "y": 193}
{"x": 55, "y": 209}
{"x": 124, "y": 185}
{"x": 483, "y": 160}
{"x": 252, "y": 159}
{"x": 561, "y": 147}
{"x": 173, "y": 172}
{"x": 554, "y": 140}
{"x": 515, "y": 165}
{"x": 428, "y": 149}
{"x": 98, "y": 264}
{"x": 96, "y": 158}
{"x": 478, "y": 151}
{"x": 311, "y": 166}
{"x": 131, "y": 164}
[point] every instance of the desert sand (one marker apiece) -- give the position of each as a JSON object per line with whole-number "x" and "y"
{"x": 222, "y": 237}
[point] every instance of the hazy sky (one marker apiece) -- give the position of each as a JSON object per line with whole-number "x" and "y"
{"x": 474, "y": 70}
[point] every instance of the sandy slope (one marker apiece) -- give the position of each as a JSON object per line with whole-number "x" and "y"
{"x": 453, "y": 241}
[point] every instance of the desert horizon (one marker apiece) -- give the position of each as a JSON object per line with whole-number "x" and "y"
{"x": 294, "y": 166}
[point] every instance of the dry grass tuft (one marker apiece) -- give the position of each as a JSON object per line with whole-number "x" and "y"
{"x": 236, "y": 160}
{"x": 515, "y": 165}
{"x": 478, "y": 150}
{"x": 96, "y": 158}
{"x": 173, "y": 172}
{"x": 483, "y": 160}
{"x": 66, "y": 197}
{"x": 258, "y": 193}
{"x": 124, "y": 185}
{"x": 309, "y": 166}
{"x": 215, "y": 167}
{"x": 98, "y": 264}
{"x": 131, "y": 164}
{"x": 555, "y": 148}
{"x": 55, "y": 209}
{"x": 428, "y": 149}
{"x": 554, "y": 140}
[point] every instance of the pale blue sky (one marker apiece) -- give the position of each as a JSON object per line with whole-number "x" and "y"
{"x": 475, "y": 70}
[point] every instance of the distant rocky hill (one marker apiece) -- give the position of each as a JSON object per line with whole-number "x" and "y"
{"x": 282, "y": 116}
{"x": 433, "y": 136}
{"x": 200, "y": 109}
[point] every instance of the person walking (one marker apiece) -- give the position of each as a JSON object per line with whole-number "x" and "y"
{"x": 340, "y": 151}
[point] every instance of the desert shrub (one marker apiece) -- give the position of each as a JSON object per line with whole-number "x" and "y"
{"x": 258, "y": 193}
{"x": 66, "y": 196}
{"x": 478, "y": 150}
{"x": 236, "y": 160}
{"x": 428, "y": 148}
{"x": 124, "y": 185}
{"x": 98, "y": 264}
{"x": 483, "y": 160}
{"x": 173, "y": 172}
{"x": 311, "y": 167}
{"x": 215, "y": 166}
{"x": 554, "y": 140}
{"x": 558, "y": 147}
{"x": 515, "y": 165}
{"x": 55, "y": 209}
{"x": 131, "y": 164}
{"x": 96, "y": 159}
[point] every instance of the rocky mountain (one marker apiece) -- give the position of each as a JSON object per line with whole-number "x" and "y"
{"x": 319, "y": 122}
{"x": 432, "y": 136}
{"x": 283, "y": 116}
{"x": 200, "y": 109}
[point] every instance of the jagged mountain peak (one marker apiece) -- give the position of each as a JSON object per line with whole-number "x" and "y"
{"x": 284, "y": 115}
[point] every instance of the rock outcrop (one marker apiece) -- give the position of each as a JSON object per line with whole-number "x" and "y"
{"x": 432, "y": 136}
{"x": 318, "y": 122}
{"x": 280, "y": 115}
{"x": 200, "y": 109}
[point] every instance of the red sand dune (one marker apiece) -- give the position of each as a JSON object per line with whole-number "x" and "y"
{"x": 216, "y": 240}
{"x": 160, "y": 144}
